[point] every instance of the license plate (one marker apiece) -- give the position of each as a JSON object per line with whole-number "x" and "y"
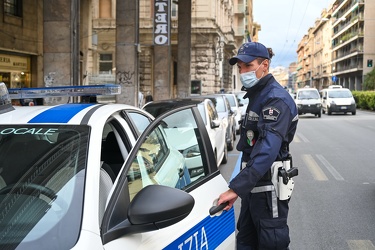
{"x": 343, "y": 107}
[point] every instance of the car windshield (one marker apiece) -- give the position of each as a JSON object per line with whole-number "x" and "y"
{"x": 232, "y": 100}
{"x": 339, "y": 94}
{"x": 219, "y": 104}
{"x": 41, "y": 185}
{"x": 308, "y": 94}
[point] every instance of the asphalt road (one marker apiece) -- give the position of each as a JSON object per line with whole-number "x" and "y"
{"x": 333, "y": 203}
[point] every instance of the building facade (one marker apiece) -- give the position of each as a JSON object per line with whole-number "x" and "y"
{"x": 21, "y": 43}
{"x": 339, "y": 49}
{"x": 353, "y": 45}
{"x": 218, "y": 28}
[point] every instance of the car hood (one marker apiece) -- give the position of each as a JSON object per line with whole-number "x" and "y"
{"x": 343, "y": 101}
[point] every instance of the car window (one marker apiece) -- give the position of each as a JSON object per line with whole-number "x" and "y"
{"x": 308, "y": 94}
{"x": 140, "y": 120}
{"x": 171, "y": 155}
{"x": 232, "y": 100}
{"x": 339, "y": 94}
{"x": 220, "y": 104}
{"x": 212, "y": 112}
{"x": 227, "y": 104}
{"x": 202, "y": 111}
{"x": 41, "y": 190}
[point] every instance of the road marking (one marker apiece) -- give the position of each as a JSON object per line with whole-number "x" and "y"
{"x": 360, "y": 245}
{"x": 314, "y": 168}
{"x": 296, "y": 139}
{"x": 330, "y": 168}
{"x": 302, "y": 137}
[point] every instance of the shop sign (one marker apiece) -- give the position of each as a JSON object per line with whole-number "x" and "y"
{"x": 161, "y": 22}
{"x": 13, "y": 62}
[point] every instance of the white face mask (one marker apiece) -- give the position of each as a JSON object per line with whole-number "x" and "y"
{"x": 249, "y": 79}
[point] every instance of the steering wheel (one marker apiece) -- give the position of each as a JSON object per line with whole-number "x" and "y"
{"x": 29, "y": 189}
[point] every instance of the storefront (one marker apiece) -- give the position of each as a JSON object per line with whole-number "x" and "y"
{"x": 15, "y": 71}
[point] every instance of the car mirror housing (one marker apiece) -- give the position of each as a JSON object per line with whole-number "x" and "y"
{"x": 215, "y": 124}
{"x": 153, "y": 208}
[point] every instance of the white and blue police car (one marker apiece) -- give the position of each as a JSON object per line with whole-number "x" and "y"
{"x": 105, "y": 176}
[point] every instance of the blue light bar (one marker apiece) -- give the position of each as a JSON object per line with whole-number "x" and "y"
{"x": 86, "y": 90}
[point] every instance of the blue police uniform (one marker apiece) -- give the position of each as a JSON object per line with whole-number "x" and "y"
{"x": 266, "y": 131}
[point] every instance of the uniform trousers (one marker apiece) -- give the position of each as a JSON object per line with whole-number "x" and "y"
{"x": 262, "y": 223}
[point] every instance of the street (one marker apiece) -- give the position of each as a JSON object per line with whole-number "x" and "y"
{"x": 333, "y": 205}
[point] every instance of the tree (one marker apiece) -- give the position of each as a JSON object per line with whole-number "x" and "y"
{"x": 369, "y": 82}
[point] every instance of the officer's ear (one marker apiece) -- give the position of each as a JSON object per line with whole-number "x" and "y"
{"x": 266, "y": 64}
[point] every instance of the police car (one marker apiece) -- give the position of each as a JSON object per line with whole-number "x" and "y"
{"x": 104, "y": 176}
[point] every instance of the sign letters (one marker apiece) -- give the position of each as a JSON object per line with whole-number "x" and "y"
{"x": 161, "y": 22}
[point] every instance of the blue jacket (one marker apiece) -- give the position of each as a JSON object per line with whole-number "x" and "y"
{"x": 266, "y": 131}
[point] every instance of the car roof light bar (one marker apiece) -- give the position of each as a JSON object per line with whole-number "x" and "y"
{"x": 86, "y": 90}
{"x": 5, "y": 101}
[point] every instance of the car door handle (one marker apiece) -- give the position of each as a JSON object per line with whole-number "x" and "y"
{"x": 215, "y": 209}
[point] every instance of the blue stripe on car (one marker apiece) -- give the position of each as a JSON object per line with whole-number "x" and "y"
{"x": 207, "y": 234}
{"x": 59, "y": 114}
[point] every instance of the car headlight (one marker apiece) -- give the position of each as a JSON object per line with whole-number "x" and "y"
{"x": 192, "y": 151}
{"x": 318, "y": 105}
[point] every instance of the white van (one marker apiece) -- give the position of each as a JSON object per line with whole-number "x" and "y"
{"x": 308, "y": 101}
{"x": 338, "y": 100}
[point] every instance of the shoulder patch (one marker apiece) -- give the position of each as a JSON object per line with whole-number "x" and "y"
{"x": 270, "y": 113}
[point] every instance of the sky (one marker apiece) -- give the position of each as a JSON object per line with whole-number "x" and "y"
{"x": 284, "y": 23}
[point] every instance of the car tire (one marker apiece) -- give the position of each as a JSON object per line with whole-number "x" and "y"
{"x": 319, "y": 114}
{"x": 323, "y": 111}
{"x": 225, "y": 157}
{"x": 329, "y": 112}
{"x": 354, "y": 112}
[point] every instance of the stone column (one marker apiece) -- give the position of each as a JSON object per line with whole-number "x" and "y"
{"x": 126, "y": 51}
{"x": 58, "y": 37}
{"x": 184, "y": 48}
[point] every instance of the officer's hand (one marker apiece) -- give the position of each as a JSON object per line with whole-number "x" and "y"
{"x": 229, "y": 196}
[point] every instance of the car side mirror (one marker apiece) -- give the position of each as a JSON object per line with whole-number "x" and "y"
{"x": 215, "y": 124}
{"x": 153, "y": 208}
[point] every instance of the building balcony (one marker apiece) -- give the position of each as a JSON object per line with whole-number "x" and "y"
{"x": 353, "y": 22}
{"x": 239, "y": 9}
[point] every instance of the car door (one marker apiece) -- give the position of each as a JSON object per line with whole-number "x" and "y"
{"x": 157, "y": 202}
{"x": 217, "y": 134}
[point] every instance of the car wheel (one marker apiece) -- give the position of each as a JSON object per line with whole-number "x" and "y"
{"x": 329, "y": 111}
{"x": 320, "y": 114}
{"x": 323, "y": 111}
{"x": 225, "y": 158}
{"x": 354, "y": 112}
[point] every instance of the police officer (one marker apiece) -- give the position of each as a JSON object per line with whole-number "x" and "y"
{"x": 267, "y": 130}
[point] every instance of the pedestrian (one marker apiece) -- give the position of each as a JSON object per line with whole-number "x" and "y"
{"x": 266, "y": 132}
{"x": 149, "y": 97}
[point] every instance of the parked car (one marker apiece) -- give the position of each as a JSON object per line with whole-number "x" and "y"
{"x": 237, "y": 110}
{"x": 105, "y": 176}
{"x": 338, "y": 99}
{"x": 215, "y": 127}
{"x": 308, "y": 101}
{"x": 226, "y": 115}
{"x": 242, "y": 102}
